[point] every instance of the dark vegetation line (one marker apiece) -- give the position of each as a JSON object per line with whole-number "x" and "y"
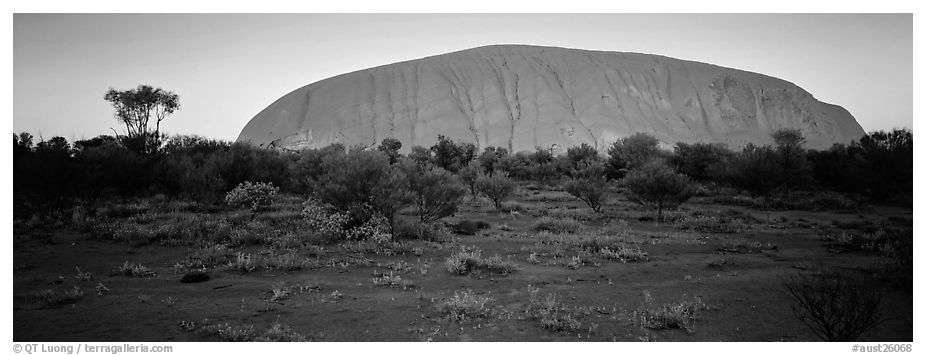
{"x": 54, "y": 173}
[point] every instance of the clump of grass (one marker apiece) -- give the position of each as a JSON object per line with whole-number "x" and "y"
{"x": 242, "y": 263}
{"x": 281, "y": 333}
{"x": 391, "y": 280}
{"x": 224, "y": 331}
{"x": 83, "y": 276}
{"x": 465, "y": 306}
{"x": 135, "y": 270}
{"x": 609, "y": 247}
{"x": 623, "y": 253}
{"x": 745, "y": 247}
{"x": 557, "y": 225}
{"x": 534, "y": 258}
{"x": 575, "y": 263}
{"x": 679, "y": 315}
{"x": 169, "y": 301}
{"x": 720, "y": 263}
{"x": 289, "y": 260}
{"x": 551, "y": 312}
{"x": 101, "y": 289}
{"x": 209, "y": 257}
{"x": 53, "y": 298}
{"x": 279, "y": 292}
{"x": 471, "y": 261}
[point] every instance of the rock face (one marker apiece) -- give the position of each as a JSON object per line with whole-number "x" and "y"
{"x": 522, "y": 97}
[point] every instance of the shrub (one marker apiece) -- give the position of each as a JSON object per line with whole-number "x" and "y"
{"x": 557, "y": 225}
{"x": 834, "y": 305}
{"x": 135, "y": 270}
{"x": 468, "y": 227}
{"x": 254, "y": 196}
{"x": 424, "y": 231}
{"x": 281, "y": 333}
{"x": 391, "y": 280}
{"x": 361, "y": 183}
{"x": 679, "y": 315}
{"x": 658, "y": 187}
{"x": 54, "y": 298}
{"x": 324, "y": 220}
{"x": 468, "y": 262}
{"x": 551, "y": 312}
{"x": 465, "y": 306}
{"x": 497, "y": 188}
{"x": 436, "y": 192}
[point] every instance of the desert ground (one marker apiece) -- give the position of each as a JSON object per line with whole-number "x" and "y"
{"x": 554, "y": 270}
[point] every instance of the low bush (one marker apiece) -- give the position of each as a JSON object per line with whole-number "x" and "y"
{"x": 471, "y": 261}
{"x": 241, "y": 333}
{"x": 465, "y": 306}
{"x": 135, "y": 270}
{"x": 557, "y": 225}
{"x": 423, "y": 231}
{"x": 679, "y": 315}
{"x": 53, "y": 298}
{"x": 836, "y": 306}
{"x": 255, "y": 196}
{"x": 392, "y": 280}
{"x": 551, "y": 312}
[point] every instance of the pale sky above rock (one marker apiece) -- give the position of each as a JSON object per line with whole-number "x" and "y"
{"x": 226, "y": 68}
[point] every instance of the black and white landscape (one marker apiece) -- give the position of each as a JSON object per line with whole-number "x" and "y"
{"x": 269, "y": 179}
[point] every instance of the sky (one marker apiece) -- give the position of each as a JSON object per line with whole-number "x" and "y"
{"x": 228, "y": 67}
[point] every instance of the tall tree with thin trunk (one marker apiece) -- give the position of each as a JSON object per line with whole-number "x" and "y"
{"x": 140, "y": 108}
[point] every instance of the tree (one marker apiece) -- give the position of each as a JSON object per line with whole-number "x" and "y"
{"x": 794, "y": 167}
{"x": 452, "y": 156}
{"x": 468, "y": 175}
{"x": 580, "y": 157}
{"x": 658, "y": 187}
{"x": 701, "y": 161}
{"x": 420, "y": 155}
{"x": 589, "y": 185}
{"x": 755, "y": 170}
{"x": 630, "y": 153}
{"x": 135, "y": 108}
{"x": 496, "y": 187}
{"x": 491, "y": 159}
{"x": 886, "y": 166}
{"x": 391, "y": 147}
{"x": 436, "y": 192}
